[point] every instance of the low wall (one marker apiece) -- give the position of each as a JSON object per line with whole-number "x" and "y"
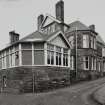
{"x": 22, "y": 79}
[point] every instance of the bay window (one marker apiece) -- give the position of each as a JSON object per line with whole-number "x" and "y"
{"x": 99, "y": 66}
{"x": 65, "y": 57}
{"x": 94, "y": 64}
{"x": 86, "y": 62}
{"x": 92, "y": 42}
{"x": 85, "y": 41}
{"x": 50, "y": 54}
{"x": 57, "y": 55}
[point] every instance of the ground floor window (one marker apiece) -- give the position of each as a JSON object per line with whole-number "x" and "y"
{"x": 99, "y": 66}
{"x": 58, "y": 58}
{"x": 86, "y": 62}
{"x": 104, "y": 65}
{"x": 93, "y": 63}
{"x": 50, "y": 57}
{"x": 57, "y": 55}
{"x": 4, "y": 81}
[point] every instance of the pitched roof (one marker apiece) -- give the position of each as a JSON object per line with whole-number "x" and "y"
{"x": 51, "y": 19}
{"x": 80, "y": 26}
{"x": 99, "y": 39}
{"x": 37, "y": 37}
{"x": 77, "y": 25}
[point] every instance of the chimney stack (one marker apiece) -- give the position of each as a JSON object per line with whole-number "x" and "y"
{"x": 14, "y": 37}
{"x": 92, "y": 27}
{"x": 60, "y": 11}
{"x": 40, "y": 20}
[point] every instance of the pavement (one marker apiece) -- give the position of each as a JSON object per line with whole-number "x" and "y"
{"x": 99, "y": 95}
{"x": 78, "y": 94}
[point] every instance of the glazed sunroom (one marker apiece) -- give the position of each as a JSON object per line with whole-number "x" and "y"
{"x": 37, "y": 50}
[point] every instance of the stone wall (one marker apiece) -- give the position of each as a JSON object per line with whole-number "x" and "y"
{"x": 21, "y": 79}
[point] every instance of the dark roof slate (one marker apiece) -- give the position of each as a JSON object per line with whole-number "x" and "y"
{"x": 99, "y": 39}
{"x": 37, "y": 36}
{"x": 77, "y": 25}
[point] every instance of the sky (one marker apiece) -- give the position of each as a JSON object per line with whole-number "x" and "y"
{"x": 21, "y": 15}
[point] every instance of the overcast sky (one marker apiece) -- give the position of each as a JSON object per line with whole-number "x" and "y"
{"x": 21, "y": 15}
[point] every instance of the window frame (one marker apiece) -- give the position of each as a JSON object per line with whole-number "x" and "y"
{"x": 85, "y": 41}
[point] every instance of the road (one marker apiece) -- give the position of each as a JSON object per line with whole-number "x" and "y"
{"x": 78, "y": 94}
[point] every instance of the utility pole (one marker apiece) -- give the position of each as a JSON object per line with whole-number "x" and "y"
{"x": 33, "y": 76}
{"x": 76, "y": 53}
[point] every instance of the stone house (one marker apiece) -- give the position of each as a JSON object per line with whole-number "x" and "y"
{"x": 56, "y": 51}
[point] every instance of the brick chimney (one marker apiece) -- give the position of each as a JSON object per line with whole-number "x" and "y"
{"x": 14, "y": 37}
{"x": 40, "y": 20}
{"x": 60, "y": 11}
{"x": 92, "y": 27}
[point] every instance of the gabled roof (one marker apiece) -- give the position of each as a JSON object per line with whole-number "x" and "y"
{"x": 53, "y": 19}
{"x": 77, "y": 25}
{"x": 40, "y": 37}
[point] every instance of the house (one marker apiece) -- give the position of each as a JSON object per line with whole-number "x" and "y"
{"x": 44, "y": 53}
{"x": 56, "y": 51}
{"x": 86, "y": 52}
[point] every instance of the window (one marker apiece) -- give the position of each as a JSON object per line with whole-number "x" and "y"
{"x": 4, "y": 79}
{"x": 99, "y": 66}
{"x": 53, "y": 28}
{"x": 71, "y": 40}
{"x": 65, "y": 57}
{"x": 92, "y": 42}
{"x": 50, "y": 57}
{"x": 72, "y": 62}
{"x": 86, "y": 62}
{"x": 58, "y": 56}
{"x": 92, "y": 63}
{"x": 50, "y": 54}
{"x": 103, "y": 52}
{"x": 85, "y": 41}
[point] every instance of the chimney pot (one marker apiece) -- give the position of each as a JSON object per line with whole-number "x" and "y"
{"x": 13, "y": 36}
{"x": 40, "y": 20}
{"x": 92, "y": 27}
{"x": 60, "y": 11}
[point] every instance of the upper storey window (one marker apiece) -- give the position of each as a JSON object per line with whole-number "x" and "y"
{"x": 93, "y": 42}
{"x": 85, "y": 41}
{"x": 71, "y": 41}
{"x": 49, "y": 29}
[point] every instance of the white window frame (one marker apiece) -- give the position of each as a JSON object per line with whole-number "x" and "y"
{"x": 85, "y": 61}
{"x": 71, "y": 40}
{"x": 57, "y": 53}
{"x": 92, "y": 62}
{"x": 92, "y": 41}
{"x": 85, "y": 41}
